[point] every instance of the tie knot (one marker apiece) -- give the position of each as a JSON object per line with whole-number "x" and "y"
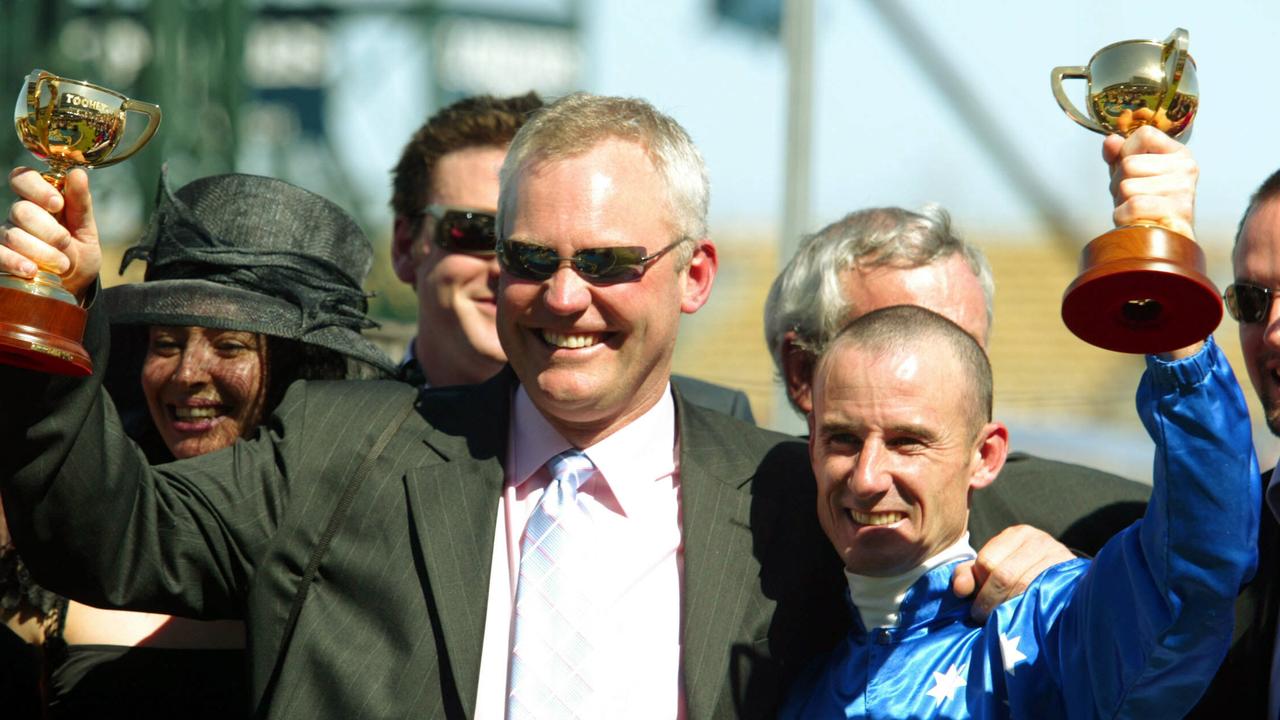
{"x": 571, "y": 468}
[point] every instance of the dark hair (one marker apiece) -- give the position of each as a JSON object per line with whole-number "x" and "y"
{"x": 290, "y": 360}
{"x": 1268, "y": 189}
{"x": 477, "y": 121}
{"x": 287, "y": 361}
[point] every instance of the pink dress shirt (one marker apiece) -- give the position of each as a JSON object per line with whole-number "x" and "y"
{"x": 634, "y": 499}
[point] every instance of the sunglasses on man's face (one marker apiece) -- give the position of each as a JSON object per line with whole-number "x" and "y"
{"x": 601, "y": 266}
{"x": 1248, "y": 303}
{"x": 462, "y": 230}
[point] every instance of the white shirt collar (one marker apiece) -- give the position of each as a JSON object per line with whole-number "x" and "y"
{"x": 630, "y": 460}
{"x": 878, "y": 599}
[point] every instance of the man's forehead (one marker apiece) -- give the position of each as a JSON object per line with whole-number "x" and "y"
{"x": 615, "y": 153}
{"x": 947, "y": 286}
{"x": 609, "y": 189}
{"x": 468, "y": 177}
{"x": 851, "y": 367}
{"x": 904, "y": 384}
{"x": 1257, "y": 257}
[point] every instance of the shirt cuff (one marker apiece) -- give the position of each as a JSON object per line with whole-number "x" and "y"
{"x": 1184, "y": 373}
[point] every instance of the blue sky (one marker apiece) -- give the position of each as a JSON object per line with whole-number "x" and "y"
{"x": 881, "y": 134}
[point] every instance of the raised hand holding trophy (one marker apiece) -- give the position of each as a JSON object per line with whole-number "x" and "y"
{"x": 1142, "y": 288}
{"x": 66, "y": 123}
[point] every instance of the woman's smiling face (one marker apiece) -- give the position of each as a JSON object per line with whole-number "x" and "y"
{"x": 204, "y": 387}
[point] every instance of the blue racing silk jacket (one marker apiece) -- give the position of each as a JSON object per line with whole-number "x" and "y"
{"x": 1136, "y": 633}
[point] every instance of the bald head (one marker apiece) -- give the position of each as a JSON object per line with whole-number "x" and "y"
{"x": 902, "y": 329}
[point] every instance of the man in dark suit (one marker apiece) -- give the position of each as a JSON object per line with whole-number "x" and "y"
{"x": 444, "y": 195}
{"x": 1247, "y": 683}
{"x": 411, "y": 607}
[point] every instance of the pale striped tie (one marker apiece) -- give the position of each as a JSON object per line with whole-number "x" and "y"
{"x": 551, "y": 654}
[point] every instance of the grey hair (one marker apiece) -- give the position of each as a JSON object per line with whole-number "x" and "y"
{"x": 577, "y": 123}
{"x": 807, "y": 296}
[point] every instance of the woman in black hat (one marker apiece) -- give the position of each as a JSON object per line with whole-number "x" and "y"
{"x": 251, "y": 283}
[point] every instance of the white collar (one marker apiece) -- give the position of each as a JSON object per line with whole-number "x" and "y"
{"x": 630, "y": 459}
{"x": 878, "y": 599}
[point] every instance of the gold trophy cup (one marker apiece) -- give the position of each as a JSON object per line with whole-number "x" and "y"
{"x": 66, "y": 123}
{"x": 1141, "y": 288}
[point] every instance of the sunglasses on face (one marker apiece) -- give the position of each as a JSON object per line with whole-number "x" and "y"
{"x": 596, "y": 265}
{"x": 1248, "y": 303}
{"x": 462, "y": 230}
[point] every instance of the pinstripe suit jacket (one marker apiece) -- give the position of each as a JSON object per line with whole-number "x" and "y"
{"x": 393, "y": 624}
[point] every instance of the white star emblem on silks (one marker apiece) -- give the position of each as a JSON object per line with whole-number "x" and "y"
{"x": 1010, "y": 652}
{"x": 945, "y": 685}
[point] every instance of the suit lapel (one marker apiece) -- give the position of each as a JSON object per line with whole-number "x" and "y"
{"x": 719, "y": 577}
{"x": 453, "y": 505}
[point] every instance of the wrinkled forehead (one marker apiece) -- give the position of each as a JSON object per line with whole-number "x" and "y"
{"x": 947, "y": 286}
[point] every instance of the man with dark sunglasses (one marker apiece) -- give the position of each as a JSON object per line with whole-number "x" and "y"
{"x": 570, "y": 538}
{"x": 601, "y": 266}
{"x": 1249, "y": 680}
{"x": 445, "y": 194}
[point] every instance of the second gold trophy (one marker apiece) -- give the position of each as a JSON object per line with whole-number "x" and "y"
{"x": 1141, "y": 288}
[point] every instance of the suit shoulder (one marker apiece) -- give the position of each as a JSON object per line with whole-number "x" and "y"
{"x": 736, "y": 434}
{"x": 369, "y": 388}
{"x": 1022, "y": 468}
{"x": 354, "y": 399}
{"x": 318, "y": 418}
{"x": 727, "y": 400}
{"x": 778, "y": 463}
{"x": 1080, "y": 506}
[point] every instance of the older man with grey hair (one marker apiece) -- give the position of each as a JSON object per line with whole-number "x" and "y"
{"x": 881, "y": 257}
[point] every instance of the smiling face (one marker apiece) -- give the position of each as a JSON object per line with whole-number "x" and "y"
{"x": 457, "y": 341}
{"x": 204, "y": 387}
{"x": 1257, "y": 260}
{"x": 895, "y": 452}
{"x": 594, "y": 357}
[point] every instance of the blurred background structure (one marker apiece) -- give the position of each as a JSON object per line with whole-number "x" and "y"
{"x": 804, "y": 109}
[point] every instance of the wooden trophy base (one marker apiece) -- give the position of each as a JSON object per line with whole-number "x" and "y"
{"x": 1142, "y": 289}
{"x": 43, "y": 334}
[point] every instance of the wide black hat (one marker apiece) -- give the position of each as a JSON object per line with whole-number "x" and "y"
{"x": 250, "y": 253}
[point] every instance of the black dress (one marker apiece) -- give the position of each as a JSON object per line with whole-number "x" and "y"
{"x": 107, "y": 681}
{"x": 112, "y": 681}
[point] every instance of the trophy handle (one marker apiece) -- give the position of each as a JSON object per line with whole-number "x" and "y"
{"x": 1174, "y": 57}
{"x": 1077, "y": 72}
{"x": 153, "y": 123}
{"x": 56, "y": 175}
{"x": 33, "y": 101}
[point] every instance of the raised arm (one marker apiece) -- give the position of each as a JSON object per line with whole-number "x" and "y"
{"x": 1151, "y": 620}
{"x": 89, "y": 515}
